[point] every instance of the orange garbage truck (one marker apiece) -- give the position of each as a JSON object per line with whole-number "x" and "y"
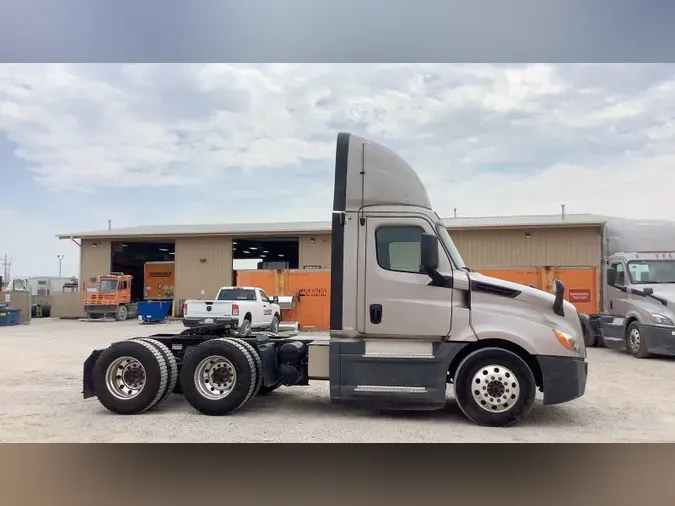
{"x": 111, "y": 298}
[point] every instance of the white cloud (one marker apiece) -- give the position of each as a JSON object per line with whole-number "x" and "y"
{"x": 488, "y": 139}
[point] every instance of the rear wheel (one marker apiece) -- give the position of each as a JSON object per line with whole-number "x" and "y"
{"x": 245, "y": 328}
{"x": 171, "y": 364}
{"x": 494, "y": 387}
{"x": 130, "y": 377}
{"x": 274, "y": 327}
{"x": 635, "y": 341}
{"x": 218, "y": 377}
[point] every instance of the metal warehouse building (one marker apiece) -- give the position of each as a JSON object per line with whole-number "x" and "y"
{"x": 527, "y": 249}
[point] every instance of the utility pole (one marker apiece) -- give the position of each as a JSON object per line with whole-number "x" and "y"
{"x": 60, "y": 257}
{"x": 109, "y": 224}
{"x": 7, "y": 266}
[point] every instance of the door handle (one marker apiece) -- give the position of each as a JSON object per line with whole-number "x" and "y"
{"x": 611, "y": 304}
{"x": 375, "y": 313}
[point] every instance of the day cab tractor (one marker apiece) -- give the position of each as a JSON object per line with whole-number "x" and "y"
{"x": 111, "y": 298}
{"x": 408, "y": 321}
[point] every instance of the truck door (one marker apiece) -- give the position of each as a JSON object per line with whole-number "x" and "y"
{"x": 267, "y": 315}
{"x": 615, "y": 304}
{"x": 398, "y": 298}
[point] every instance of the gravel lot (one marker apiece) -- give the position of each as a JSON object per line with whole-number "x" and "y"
{"x": 40, "y": 401}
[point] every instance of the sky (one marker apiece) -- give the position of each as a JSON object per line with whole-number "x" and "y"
{"x": 155, "y": 144}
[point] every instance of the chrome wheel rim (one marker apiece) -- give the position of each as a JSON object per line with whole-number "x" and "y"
{"x": 125, "y": 378}
{"x": 495, "y": 388}
{"x": 215, "y": 377}
{"x": 634, "y": 339}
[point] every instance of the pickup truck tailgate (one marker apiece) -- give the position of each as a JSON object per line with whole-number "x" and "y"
{"x": 208, "y": 309}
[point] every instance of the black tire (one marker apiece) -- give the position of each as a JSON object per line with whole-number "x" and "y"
{"x": 258, "y": 364}
{"x": 171, "y": 364}
{"x": 274, "y": 327}
{"x": 487, "y": 411}
{"x": 245, "y": 328}
{"x": 635, "y": 342}
{"x": 239, "y": 359}
{"x": 156, "y": 377}
{"x": 590, "y": 339}
{"x": 268, "y": 390}
{"x": 122, "y": 313}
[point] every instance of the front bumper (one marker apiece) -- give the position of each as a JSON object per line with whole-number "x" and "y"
{"x": 659, "y": 340}
{"x": 100, "y": 308}
{"x": 564, "y": 378}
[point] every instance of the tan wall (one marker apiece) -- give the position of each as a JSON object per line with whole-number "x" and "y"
{"x": 95, "y": 259}
{"x": 546, "y": 246}
{"x": 68, "y": 305}
{"x": 315, "y": 253}
{"x": 193, "y": 276}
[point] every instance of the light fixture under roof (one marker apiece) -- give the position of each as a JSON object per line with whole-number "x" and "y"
{"x": 253, "y": 248}
{"x": 247, "y": 252}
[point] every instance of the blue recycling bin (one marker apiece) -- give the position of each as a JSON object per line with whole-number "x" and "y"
{"x": 153, "y": 311}
{"x": 9, "y": 316}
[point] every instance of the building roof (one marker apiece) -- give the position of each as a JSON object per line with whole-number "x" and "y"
{"x": 309, "y": 227}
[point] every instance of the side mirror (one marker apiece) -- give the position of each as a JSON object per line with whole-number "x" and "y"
{"x": 429, "y": 252}
{"x": 275, "y": 299}
{"x": 611, "y": 276}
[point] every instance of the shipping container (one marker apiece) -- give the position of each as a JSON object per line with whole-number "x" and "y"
{"x": 159, "y": 280}
{"x": 310, "y": 289}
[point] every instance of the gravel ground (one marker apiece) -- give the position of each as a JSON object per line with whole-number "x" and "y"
{"x": 40, "y": 401}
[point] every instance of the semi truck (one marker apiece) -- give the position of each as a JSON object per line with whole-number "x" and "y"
{"x": 408, "y": 322}
{"x": 637, "y": 288}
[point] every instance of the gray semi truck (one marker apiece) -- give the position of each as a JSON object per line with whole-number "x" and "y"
{"x": 637, "y": 288}
{"x": 408, "y": 321}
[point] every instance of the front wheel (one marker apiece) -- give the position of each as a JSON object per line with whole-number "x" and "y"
{"x": 494, "y": 387}
{"x": 122, "y": 313}
{"x": 635, "y": 340}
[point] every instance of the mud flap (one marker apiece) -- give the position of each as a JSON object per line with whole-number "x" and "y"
{"x": 87, "y": 376}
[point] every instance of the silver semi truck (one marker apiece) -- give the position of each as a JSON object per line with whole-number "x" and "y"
{"x": 408, "y": 321}
{"x": 637, "y": 288}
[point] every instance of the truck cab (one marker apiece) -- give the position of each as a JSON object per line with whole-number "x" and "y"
{"x": 408, "y": 316}
{"x": 111, "y": 297}
{"x": 639, "y": 303}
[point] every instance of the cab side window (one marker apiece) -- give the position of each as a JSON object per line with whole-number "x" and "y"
{"x": 620, "y": 274}
{"x": 398, "y": 248}
{"x": 264, "y": 297}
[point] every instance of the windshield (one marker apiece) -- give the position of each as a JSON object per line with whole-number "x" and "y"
{"x": 236, "y": 294}
{"x": 651, "y": 271}
{"x": 108, "y": 285}
{"x": 450, "y": 246}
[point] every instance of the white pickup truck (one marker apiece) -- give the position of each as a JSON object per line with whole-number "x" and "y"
{"x": 242, "y": 308}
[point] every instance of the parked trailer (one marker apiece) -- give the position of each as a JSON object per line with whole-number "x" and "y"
{"x": 407, "y": 320}
{"x": 637, "y": 288}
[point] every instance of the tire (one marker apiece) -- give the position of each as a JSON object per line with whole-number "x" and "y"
{"x": 130, "y": 356}
{"x": 245, "y": 328}
{"x": 274, "y": 327}
{"x": 122, "y": 313}
{"x": 268, "y": 390}
{"x": 171, "y": 364}
{"x": 635, "y": 343}
{"x": 196, "y": 377}
{"x": 504, "y": 370}
{"x": 258, "y": 364}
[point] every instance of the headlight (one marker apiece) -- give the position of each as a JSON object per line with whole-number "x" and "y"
{"x": 567, "y": 340}
{"x": 659, "y": 319}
